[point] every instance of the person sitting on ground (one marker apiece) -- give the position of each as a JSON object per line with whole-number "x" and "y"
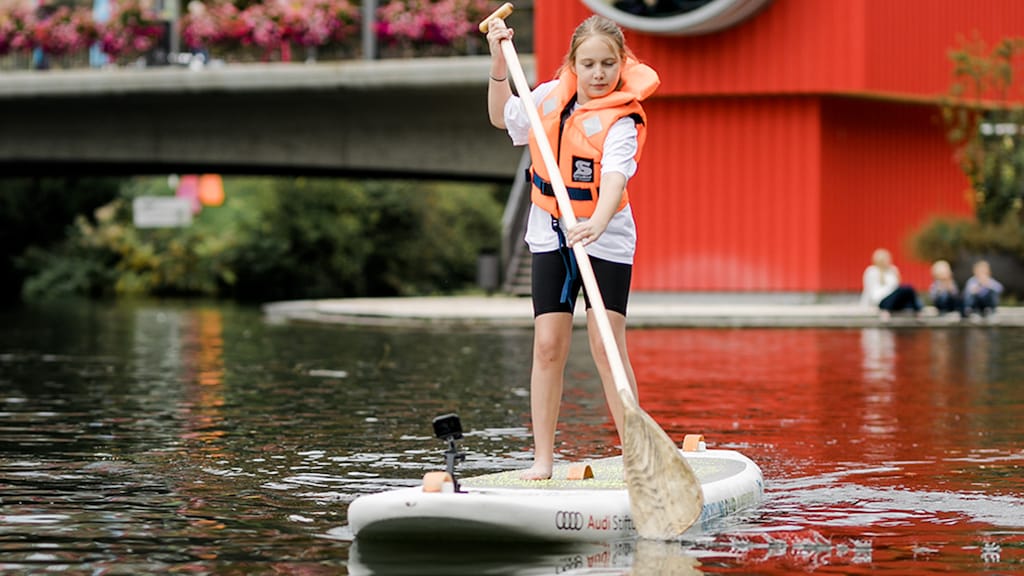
{"x": 882, "y": 287}
{"x": 981, "y": 294}
{"x": 944, "y": 293}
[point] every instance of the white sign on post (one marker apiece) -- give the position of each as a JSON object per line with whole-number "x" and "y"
{"x": 161, "y": 212}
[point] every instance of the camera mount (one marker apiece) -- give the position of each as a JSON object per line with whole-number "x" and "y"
{"x": 448, "y": 427}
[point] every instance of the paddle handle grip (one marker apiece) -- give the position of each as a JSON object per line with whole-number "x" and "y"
{"x": 500, "y": 13}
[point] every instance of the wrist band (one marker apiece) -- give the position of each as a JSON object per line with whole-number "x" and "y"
{"x": 499, "y": 79}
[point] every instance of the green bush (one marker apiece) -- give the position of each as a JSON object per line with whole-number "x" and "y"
{"x": 305, "y": 239}
{"x": 280, "y": 238}
{"x": 318, "y": 238}
{"x": 35, "y": 214}
{"x": 427, "y": 238}
{"x": 956, "y": 238}
{"x": 107, "y": 255}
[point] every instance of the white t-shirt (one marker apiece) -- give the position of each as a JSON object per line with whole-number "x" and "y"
{"x": 879, "y": 284}
{"x": 618, "y": 242}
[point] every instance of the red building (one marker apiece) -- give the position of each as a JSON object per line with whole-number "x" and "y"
{"x": 785, "y": 148}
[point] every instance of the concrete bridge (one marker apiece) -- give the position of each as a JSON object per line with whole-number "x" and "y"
{"x": 416, "y": 118}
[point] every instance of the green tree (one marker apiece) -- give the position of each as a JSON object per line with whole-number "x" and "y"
{"x": 280, "y": 238}
{"x": 35, "y": 213}
{"x": 984, "y": 118}
{"x": 304, "y": 240}
{"x": 339, "y": 238}
{"x": 986, "y": 124}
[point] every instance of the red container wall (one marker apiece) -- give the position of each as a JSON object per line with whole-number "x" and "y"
{"x": 790, "y": 46}
{"x": 770, "y": 165}
{"x": 908, "y": 41}
{"x": 553, "y": 24}
{"x": 886, "y": 168}
{"x": 727, "y": 195}
{"x": 805, "y": 45}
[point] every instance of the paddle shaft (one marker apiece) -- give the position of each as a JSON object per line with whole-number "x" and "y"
{"x": 604, "y": 326}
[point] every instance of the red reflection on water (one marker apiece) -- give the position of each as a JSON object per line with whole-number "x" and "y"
{"x": 867, "y": 396}
{"x": 904, "y": 442}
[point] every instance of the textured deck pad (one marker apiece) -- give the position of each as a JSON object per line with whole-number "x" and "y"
{"x": 608, "y": 475}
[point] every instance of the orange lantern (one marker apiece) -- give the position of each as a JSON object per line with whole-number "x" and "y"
{"x": 211, "y": 190}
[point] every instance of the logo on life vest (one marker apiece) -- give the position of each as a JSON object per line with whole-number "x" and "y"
{"x": 568, "y": 520}
{"x": 582, "y": 170}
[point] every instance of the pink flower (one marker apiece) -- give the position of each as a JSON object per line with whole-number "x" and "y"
{"x": 63, "y": 30}
{"x": 430, "y": 21}
{"x": 264, "y": 29}
{"x": 16, "y": 23}
{"x": 133, "y": 29}
{"x": 270, "y": 24}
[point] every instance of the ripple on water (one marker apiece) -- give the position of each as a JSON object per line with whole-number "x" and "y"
{"x": 200, "y": 439}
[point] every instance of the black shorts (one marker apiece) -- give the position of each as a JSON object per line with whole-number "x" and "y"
{"x": 551, "y": 293}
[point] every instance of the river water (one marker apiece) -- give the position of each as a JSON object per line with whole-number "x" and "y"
{"x": 202, "y": 439}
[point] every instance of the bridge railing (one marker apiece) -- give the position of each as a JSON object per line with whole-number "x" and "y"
{"x": 372, "y": 29}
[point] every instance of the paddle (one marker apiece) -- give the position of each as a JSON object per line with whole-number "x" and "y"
{"x": 665, "y": 497}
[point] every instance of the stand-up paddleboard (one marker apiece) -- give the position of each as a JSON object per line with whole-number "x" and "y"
{"x": 580, "y": 503}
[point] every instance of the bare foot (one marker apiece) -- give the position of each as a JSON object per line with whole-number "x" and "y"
{"x": 536, "y": 472}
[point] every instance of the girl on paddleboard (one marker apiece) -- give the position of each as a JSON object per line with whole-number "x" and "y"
{"x": 595, "y": 124}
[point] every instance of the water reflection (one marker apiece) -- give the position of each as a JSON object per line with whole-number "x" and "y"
{"x": 616, "y": 557}
{"x": 197, "y": 438}
{"x": 878, "y": 345}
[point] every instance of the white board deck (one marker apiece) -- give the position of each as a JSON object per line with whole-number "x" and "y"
{"x": 502, "y": 507}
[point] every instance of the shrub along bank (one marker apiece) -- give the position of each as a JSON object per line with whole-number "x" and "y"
{"x": 275, "y": 238}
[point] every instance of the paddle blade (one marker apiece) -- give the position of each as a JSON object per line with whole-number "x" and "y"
{"x": 665, "y": 497}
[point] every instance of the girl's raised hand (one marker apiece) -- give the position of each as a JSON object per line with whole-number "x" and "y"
{"x": 496, "y": 32}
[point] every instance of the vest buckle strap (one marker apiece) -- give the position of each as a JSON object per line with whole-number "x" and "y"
{"x": 577, "y": 194}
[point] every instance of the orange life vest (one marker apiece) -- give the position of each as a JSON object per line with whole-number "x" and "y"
{"x": 579, "y": 143}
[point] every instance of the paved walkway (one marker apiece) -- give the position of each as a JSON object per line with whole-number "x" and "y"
{"x": 646, "y": 310}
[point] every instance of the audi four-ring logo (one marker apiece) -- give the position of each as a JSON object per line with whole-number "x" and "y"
{"x": 568, "y": 520}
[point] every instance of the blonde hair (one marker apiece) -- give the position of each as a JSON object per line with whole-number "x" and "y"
{"x": 941, "y": 268}
{"x": 881, "y": 256}
{"x": 603, "y": 28}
